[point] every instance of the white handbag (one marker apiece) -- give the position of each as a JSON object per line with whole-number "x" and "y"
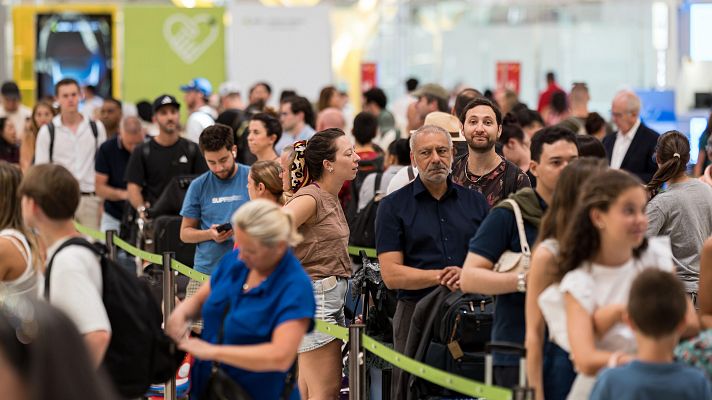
{"x": 511, "y": 261}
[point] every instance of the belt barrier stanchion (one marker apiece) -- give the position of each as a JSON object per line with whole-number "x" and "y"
{"x": 168, "y": 303}
{"x": 113, "y": 251}
{"x": 357, "y": 363}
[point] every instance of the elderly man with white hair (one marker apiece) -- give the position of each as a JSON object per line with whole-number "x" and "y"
{"x": 632, "y": 147}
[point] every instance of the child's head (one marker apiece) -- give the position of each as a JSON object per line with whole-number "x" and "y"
{"x": 49, "y": 188}
{"x": 657, "y": 304}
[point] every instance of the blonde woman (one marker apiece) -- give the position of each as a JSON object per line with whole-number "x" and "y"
{"x": 42, "y": 114}
{"x": 265, "y": 182}
{"x": 256, "y": 307}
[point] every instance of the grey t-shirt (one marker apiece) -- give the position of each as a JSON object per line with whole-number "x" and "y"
{"x": 684, "y": 213}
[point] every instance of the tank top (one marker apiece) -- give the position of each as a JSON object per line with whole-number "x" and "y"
{"x": 25, "y": 284}
{"x": 324, "y": 250}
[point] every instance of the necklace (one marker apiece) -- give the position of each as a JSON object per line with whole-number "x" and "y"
{"x": 472, "y": 176}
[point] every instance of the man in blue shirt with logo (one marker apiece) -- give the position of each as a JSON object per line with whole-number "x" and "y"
{"x": 211, "y": 200}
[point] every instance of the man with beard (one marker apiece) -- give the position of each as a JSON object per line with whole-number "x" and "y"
{"x": 482, "y": 169}
{"x": 211, "y": 199}
{"x": 422, "y": 230}
{"x": 153, "y": 164}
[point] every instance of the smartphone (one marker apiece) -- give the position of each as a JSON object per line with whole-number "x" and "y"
{"x": 224, "y": 227}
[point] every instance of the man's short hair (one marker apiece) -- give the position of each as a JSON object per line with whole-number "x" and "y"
{"x": 550, "y": 135}
{"x": 429, "y": 129}
{"x": 300, "y": 104}
{"x": 528, "y": 117}
{"x": 65, "y": 82}
{"x": 215, "y": 138}
{"x": 657, "y": 303}
{"x": 266, "y": 85}
{"x": 113, "y": 100}
{"x": 365, "y": 127}
{"x": 377, "y": 96}
{"x": 481, "y": 101}
{"x": 400, "y": 148}
{"x": 411, "y": 84}
{"x": 53, "y": 188}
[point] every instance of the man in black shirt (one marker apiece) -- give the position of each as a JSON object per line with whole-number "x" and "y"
{"x": 111, "y": 161}
{"x": 153, "y": 164}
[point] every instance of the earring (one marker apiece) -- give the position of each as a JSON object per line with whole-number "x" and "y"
{"x": 331, "y": 170}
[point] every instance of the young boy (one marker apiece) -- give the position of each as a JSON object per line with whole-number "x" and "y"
{"x": 50, "y": 198}
{"x": 656, "y": 313}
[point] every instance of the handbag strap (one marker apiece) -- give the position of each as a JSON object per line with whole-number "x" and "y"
{"x": 520, "y": 227}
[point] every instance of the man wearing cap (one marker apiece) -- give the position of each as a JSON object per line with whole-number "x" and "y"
{"x": 12, "y": 108}
{"x": 431, "y": 97}
{"x": 154, "y": 163}
{"x": 196, "y": 94}
{"x": 71, "y": 140}
{"x": 230, "y": 97}
{"x": 482, "y": 169}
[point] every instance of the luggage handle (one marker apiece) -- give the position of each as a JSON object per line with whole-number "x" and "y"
{"x": 507, "y": 348}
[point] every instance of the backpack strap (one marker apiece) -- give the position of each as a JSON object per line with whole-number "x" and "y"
{"x": 50, "y": 128}
{"x": 411, "y": 174}
{"x": 75, "y": 241}
{"x": 511, "y": 172}
{"x": 95, "y": 132}
{"x": 377, "y": 183}
{"x": 520, "y": 227}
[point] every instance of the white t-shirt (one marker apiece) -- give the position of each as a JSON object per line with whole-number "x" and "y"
{"x": 595, "y": 286}
{"x": 76, "y": 288}
{"x": 199, "y": 120}
{"x": 401, "y": 179}
{"x": 18, "y": 118}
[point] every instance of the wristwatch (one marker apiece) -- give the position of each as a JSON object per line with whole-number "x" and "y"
{"x": 522, "y": 282}
{"x": 141, "y": 209}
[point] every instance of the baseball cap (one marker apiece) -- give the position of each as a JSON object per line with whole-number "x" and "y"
{"x": 165, "y": 100}
{"x": 201, "y": 85}
{"x": 228, "y": 88}
{"x": 432, "y": 89}
{"x": 9, "y": 90}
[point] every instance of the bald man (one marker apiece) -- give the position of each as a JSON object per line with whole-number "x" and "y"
{"x": 111, "y": 161}
{"x": 330, "y": 118}
{"x": 632, "y": 147}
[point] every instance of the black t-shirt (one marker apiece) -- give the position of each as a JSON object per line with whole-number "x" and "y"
{"x": 111, "y": 160}
{"x": 152, "y": 166}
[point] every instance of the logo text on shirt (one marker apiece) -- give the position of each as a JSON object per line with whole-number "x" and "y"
{"x": 226, "y": 199}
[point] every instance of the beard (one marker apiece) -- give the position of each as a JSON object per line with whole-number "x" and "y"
{"x": 229, "y": 173}
{"x": 168, "y": 127}
{"x": 480, "y": 147}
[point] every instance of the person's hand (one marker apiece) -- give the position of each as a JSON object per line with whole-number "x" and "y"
{"x": 177, "y": 327}
{"x": 219, "y": 237}
{"x": 614, "y": 310}
{"x": 198, "y": 348}
{"x": 450, "y": 277}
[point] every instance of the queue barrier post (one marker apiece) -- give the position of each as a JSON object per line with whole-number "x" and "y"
{"x": 168, "y": 303}
{"x": 111, "y": 246}
{"x": 357, "y": 363}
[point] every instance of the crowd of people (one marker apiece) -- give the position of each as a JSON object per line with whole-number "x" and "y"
{"x": 594, "y": 239}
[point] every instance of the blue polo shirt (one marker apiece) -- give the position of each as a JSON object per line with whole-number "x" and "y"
{"x": 111, "y": 160}
{"x": 285, "y": 295}
{"x": 498, "y": 234}
{"x": 212, "y": 201}
{"x": 431, "y": 233}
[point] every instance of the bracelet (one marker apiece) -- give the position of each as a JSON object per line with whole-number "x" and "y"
{"x": 614, "y": 358}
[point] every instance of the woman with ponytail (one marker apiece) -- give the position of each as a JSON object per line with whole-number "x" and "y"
{"x": 683, "y": 211}
{"x": 319, "y": 170}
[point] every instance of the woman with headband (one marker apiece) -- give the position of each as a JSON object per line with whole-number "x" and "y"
{"x": 319, "y": 170}
{"x": 683, "y": 211}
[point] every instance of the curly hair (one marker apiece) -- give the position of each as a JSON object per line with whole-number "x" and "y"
{"x": 581, "y": 239}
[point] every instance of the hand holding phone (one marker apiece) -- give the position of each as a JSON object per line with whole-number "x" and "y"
{"x": 224, "y": 227}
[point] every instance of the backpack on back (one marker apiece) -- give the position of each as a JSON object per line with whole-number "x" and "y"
{"x": 363, "y": 225}
{"x": 139, "y": 352}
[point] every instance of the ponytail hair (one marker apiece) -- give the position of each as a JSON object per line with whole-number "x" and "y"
{"x": 672, "y": 153}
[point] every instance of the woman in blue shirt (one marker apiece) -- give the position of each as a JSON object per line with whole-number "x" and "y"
{"x": 267, "y": 303}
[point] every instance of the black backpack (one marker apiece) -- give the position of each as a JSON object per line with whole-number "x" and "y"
{"x": 363, "y": 224}
{"x": 50, "y": 128}
{"x": 365, "y": 168}
{"x": 139, "y": 353}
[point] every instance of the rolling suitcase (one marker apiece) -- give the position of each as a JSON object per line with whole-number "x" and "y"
{"x": 522, "y": 391}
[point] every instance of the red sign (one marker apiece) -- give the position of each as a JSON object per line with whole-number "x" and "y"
{"x": 368, "y": 76}
{"x": 508, "y": 76}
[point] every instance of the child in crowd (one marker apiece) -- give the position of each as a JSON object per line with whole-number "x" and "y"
{"x": 656, "y": 314}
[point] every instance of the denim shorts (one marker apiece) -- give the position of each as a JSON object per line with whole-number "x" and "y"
{"x": 329, "y": 294}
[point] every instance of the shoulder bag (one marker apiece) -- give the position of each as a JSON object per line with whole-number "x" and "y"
{"x": 511, "y": 261}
